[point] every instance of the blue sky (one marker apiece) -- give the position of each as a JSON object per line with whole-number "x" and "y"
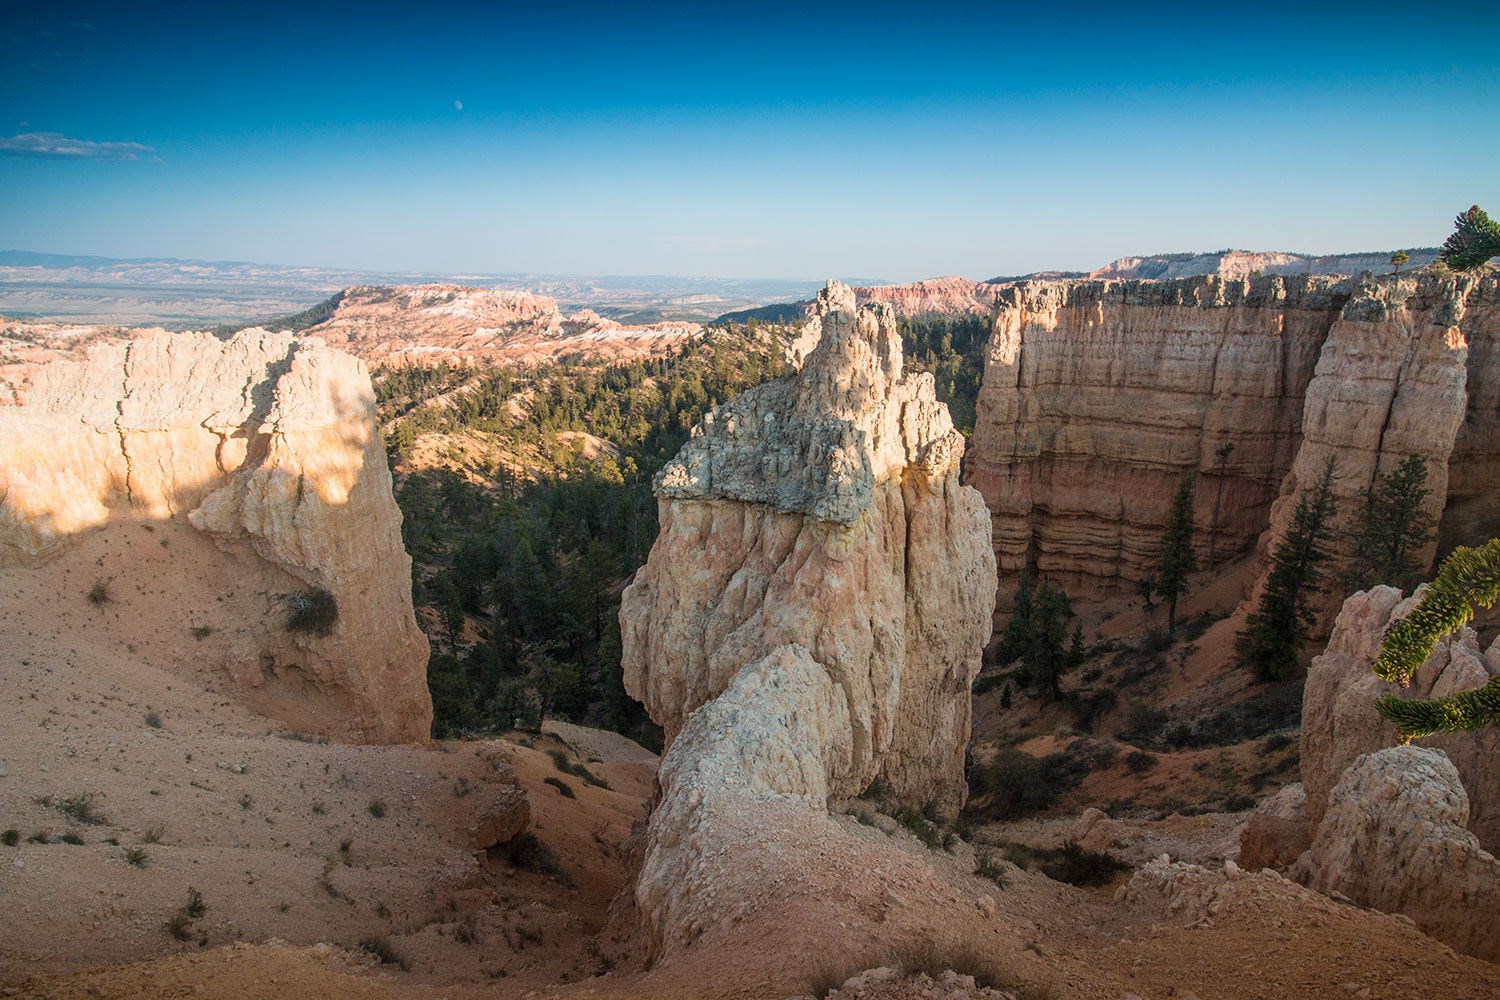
{"x": 758, "y": 141}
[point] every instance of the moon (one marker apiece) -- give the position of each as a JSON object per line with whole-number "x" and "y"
{"x": 458, "y": 105}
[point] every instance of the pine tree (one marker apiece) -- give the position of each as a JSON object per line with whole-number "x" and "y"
{"x": 1277, "y": 629}
{"x": 1391, "y": 529}
{"x": 1475, "y": 239}
{"x": 1047, "y": 657}
{"x": 1177, "y": 558}
{"x": 1222, "y": 453}
{"x": 1397, "y": 259}
{"x": 1017, "y": 636}
{"x": 1468, "y": 577}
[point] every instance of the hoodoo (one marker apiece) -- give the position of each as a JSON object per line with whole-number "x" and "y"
{"x": 810, "y": 619}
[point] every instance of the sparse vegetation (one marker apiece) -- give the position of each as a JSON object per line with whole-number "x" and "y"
{"x": 11, "y": 837}
{"x": 179, "y": 924}
{"x": 153, "y": 835}
{"x": 313, "y": 611}
{"x": 987, "y": 864}
{"x": 561, "y": 786}
{"x": 153, "y": 720}
{"x": 528, "y": 853}
{"x": 567, "y": 765}
{"x": 380, "y": 946}
{"x": 78, "y": 808}
{"x": 377, "y": 808}
{"x": 136, "y": 857}
{"x": 99, "y": 593}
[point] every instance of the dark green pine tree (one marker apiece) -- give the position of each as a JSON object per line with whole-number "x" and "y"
{"x": 1468, "y": 577}
{"x": 1017, "y": 636}
{"x": 1391, "y": 529}
{"x": 1047, "y": 655}
{"x": 1177, "y": 558}
{"x": 1475, "y": 239}
{"x": 1280, "y": 625}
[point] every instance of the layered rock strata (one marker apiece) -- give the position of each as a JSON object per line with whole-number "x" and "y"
{"x": 267, "y": 444}
{"x": 811, "y": 616}
{"x": 1339, "y": 722}
{"x": 1099, "y": 395}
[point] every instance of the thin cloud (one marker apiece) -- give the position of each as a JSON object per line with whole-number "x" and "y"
{"x": 56, "y": 146}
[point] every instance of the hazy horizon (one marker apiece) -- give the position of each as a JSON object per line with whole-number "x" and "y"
{"x": 759, "y": 144}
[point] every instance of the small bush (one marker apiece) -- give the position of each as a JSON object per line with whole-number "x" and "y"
{"x": 561, "y": 786}
{"x": 467, "y": 931}
{"x": 530, "y": 854}
{"x": 377, "y": 808}
{"x": 99, "y": 593}
{"x": 563, "y": 763}
{"x": 987, "y": 864}
{"x": 11, "y": 837}
{"x": 153, "y": 720}
{"x": 313, "y": 611}
{"x": 179, "y": 924}
{"x": 380, "y": 946}
{"x": 1082, "y": 867}
{"x": 78, "y": 808}
{"x": 136, "y": 857}
{"x": 40, "y": 837}
{"x": 71, "y": 837}
{"x": 201, "y": 632}
{"x": 245, "y": 801}
{"x": 1139, "y": 761}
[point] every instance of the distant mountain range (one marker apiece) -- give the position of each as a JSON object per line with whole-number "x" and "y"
{"x": 193, "y": 294}
{"x": 184, "y": 294}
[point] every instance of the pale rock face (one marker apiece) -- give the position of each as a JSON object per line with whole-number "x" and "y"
{"x": 1340, "y": 724}
{"x": 1099, "y": 395}
{"x": 1393, "y": 838}
{"x": 1391, "y": 381}
{"x": 811, "y": 616}
{"x": 1277, "y": 831}
{"x": 267, "y": 444}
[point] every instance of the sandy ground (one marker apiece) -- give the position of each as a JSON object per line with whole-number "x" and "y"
{"x": 122, "y": 734}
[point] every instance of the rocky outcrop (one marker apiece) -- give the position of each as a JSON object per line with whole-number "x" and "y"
{"x": 428, "y": 324}
{"x": 1245, "y": 263}
{"x": 1277, "y": 831}
{"x": 1099, "y": 395}
{"x": 810, "y": 618}
{"x": 267, "y": 444}
{"x": 1393, "y": 837}
{"x": 1339, "y": 722}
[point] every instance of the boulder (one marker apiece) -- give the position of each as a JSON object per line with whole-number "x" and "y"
{"x": 1393, "y": 838}
{"x": 1277, "y": 831}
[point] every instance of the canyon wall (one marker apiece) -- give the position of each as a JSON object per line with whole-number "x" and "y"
{"x": 811, "y": 616}
{"x": 266, "y": 445}
{"x": 1099, "y": 395}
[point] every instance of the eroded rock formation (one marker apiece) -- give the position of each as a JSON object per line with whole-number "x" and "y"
{"x": 1393, "y": 837}
{"x": 267, "y": 444}
{"x": 1339, "y": 722}
{"x": 1099, "y": 395}
{"x": 810, "y": 618}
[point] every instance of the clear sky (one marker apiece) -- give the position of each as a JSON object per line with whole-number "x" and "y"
{"x": 753, "y": 140}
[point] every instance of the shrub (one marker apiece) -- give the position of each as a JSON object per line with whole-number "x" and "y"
{"x": 71, "y": 837}
{"x": 153, "y": 720}
{"x": 313, "y": 611}
{"x": 1079, "y": 866}
{"x": 377, "y": 808}
{"x": 529, "y": 853}
{"x": 99, "y": 593}
{"x": 11, "y": 837}
{"x": 380, "y": 946}
{"x": 566, "y": 765}
{"x": 179, "y": 924}
{"x": 79, "y": 808}
{"x": 561, "y": 786}
{"x": 135, "y": 857}
{"x": 987, "y": 864}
